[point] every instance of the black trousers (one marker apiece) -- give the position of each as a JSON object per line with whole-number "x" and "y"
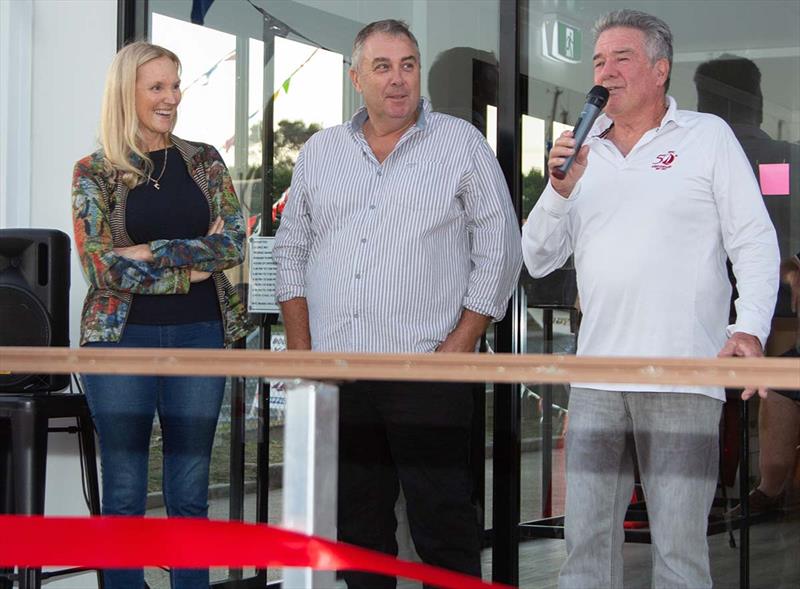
{"x": 414, "y": 434}
{"x": 793, "y": 395}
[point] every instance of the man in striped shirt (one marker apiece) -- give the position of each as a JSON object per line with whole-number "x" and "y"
{"x": 399, "y": 236}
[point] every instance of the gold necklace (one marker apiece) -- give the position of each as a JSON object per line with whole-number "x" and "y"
{"x": 164, "y": 167}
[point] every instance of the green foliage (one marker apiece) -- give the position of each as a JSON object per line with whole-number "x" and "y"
{"x": 289, "y": 137}
{"x": 533, "y": 184}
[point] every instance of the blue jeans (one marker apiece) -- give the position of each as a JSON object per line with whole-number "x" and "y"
{"x": 123, "y": 408}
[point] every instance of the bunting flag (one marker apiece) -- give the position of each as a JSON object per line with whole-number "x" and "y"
{"x": 199, "y": 10}
{"x": 204, "y": 78}
{"x": 134, "y": 542}
{"x": 231, "y": 141}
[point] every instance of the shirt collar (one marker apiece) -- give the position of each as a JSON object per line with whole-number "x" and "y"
{"x": 360, "y": 116}
{"x": 673, "y": 114}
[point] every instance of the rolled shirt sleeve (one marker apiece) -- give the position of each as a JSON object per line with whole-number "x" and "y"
{"x": 293, "y": 239}
{"x": 496, "y": 253}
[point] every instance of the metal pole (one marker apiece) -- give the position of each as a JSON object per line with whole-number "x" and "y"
{"x": 744, "y": 498}
{"x": 267, "y": 132}
{"x": 236, "y": 456}
{"x": 547, "y": 421}
{"x": 310, "y": 471}
{"x": 242, "y": 122}
{"x": 506, "y": 469}
{"x": 265, "y": 321}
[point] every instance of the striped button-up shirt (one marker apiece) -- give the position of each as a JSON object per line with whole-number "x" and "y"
{"x": 389, "y": 254}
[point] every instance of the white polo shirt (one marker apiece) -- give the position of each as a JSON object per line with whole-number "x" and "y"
{"x": 650, "y": 233}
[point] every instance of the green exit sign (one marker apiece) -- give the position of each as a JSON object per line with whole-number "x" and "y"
{"x": 569, "y": 42}
{"x": 561, "y": 41}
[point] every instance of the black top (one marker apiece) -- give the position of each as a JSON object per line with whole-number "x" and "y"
{"x": 179, "y": 210}
{"x": 760, "y": 148}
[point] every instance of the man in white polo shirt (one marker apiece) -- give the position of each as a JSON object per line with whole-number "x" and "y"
{"x": 654, "y": 203}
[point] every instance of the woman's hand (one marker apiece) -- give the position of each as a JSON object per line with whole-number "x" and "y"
{"x": 216, "y": 227}
{"x": 198, "y": 275}
{"x": 140, "y": 253}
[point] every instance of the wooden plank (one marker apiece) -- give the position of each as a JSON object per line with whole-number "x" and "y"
{"x": 779, "y": 373}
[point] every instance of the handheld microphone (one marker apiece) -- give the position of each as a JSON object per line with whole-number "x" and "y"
{"x": 595, "y": 101}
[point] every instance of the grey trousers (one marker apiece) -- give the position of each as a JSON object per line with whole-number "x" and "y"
{"x": 676, "y": 441}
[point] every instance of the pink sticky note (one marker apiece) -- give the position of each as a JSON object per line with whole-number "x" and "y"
{"x": 774, "y": 178}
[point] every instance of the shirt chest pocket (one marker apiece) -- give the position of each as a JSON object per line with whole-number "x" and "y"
{"x": 331, "y": 203}
{"x": 422, "y": 186}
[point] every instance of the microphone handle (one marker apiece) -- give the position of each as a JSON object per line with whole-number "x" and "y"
{"x": 582, "y": 127}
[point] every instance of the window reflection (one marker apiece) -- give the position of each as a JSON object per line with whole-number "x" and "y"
{"x": 463, "y": 32}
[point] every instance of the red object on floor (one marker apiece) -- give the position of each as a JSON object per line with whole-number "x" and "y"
{"x": 134, "y": 542}
{"x": 635, "y": 525}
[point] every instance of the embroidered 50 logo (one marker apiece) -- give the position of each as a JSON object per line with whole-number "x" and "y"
{"x": 664, "y": 160}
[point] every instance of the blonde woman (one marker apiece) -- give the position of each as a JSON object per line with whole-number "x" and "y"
{"x": 156, "y": 221}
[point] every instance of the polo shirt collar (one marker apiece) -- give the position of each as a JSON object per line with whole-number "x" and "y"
{"x": 672, "y": 115}
{"x": 360, "y": 116}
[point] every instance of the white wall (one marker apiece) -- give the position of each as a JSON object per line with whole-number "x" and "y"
{"x": 70, "y": 46}
{"x": 73, "y": 43}
{"x": 16, "y": 20}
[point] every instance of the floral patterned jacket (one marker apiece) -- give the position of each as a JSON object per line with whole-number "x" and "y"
{"x": 98, "y": 215}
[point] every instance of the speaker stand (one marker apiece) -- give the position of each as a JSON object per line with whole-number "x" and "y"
{"x": 25, "y": 458}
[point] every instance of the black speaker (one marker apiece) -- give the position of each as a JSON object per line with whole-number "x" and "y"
{"x": 34, "y": 300}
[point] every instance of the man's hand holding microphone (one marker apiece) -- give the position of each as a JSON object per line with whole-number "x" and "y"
{"x": 568, "y": 156}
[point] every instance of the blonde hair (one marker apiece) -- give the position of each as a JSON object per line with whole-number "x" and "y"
{"x": 119, "y": 124}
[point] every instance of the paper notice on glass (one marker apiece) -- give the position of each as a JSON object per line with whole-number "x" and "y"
{"x": 261, "y": 291}
{"x": 277, "y": 388}
{"x": 774, "y": 179}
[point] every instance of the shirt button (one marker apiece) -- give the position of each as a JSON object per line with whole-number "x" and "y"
{"x": 355, "y": 315}
{"x": 363, "y": 240}
{"x": 358, "y": 275}
{"x": 380, "y": 172}
{"x": 371, "y": 207}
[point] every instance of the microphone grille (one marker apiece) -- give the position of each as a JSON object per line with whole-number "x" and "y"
{"x": 598, "y": 95}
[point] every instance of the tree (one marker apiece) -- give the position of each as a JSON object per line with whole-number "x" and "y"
{"x": 532, "y": 185}
{"x": 290, "y": 136}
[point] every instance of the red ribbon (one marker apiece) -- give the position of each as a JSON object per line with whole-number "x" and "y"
{"x": 134, "y": 542}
